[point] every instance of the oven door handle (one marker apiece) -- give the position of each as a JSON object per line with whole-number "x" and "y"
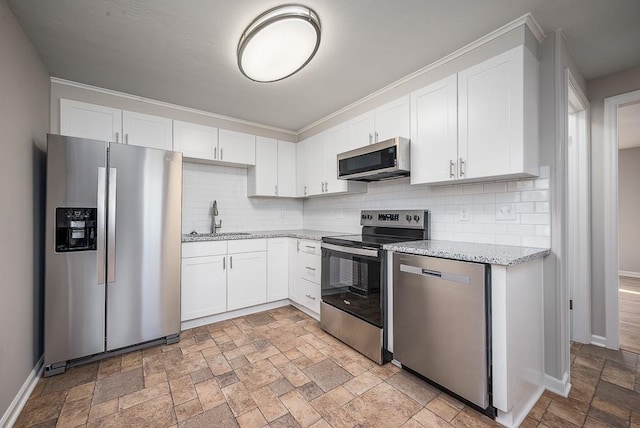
{"x": 369, "y": 252}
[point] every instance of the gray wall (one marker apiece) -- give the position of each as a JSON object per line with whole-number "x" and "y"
{"x": 597, "y": 91}
{"x": 628, "y": 209}
{"x": 24, "y": 121}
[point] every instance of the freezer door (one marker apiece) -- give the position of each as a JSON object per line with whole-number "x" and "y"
{"x": 74, "y": 281}
{"x": 143, "y": 245}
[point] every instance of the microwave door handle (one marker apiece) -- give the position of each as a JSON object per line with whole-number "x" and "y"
{"x": 111, "y": 227}
{"x": 101, "y": 220}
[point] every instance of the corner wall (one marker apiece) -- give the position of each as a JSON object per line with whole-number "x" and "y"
{"x": 597, "y": 90}
{"x": 24, "y": 121}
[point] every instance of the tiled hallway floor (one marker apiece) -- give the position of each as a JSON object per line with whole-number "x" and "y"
{"x": 278, "y": 369}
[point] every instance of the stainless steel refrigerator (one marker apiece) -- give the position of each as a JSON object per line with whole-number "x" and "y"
{"x": 113, "y": 238}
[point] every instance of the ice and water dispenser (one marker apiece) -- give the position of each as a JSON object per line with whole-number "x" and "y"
{"x": 76, "y": 229}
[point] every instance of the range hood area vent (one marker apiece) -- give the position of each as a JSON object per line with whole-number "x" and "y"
{"x": 380, "y": 161}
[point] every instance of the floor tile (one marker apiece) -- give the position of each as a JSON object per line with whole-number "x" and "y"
{"x": 328, "y": 374}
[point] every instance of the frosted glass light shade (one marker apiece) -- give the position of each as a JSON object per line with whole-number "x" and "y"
{"x": 279, "y": 43}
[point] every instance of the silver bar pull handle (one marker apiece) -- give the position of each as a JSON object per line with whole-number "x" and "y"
{"x": 326, "y": 186}
{"x": 126, "y": 138}
{"x": 431, "y": 273}
{"x": 310, "y": 246}
{"x": 462, "y": 168}
{"x": 305, "y": 190}
{"x": 223, "y": 263}
{"x": 452, "y": 174}
{"x": 276, "y": 190}
{"x": 221, "y": 155}
{"x": 370, "y": 138}
{"x": 230, "y": 262}
{"x": 310, "y": 268}
{"x": 101, "y": 221}
{"x": 215, "y": 153}
{"x": 117, "y": 137}
{"x": 111, "y": 226}
{"x": 376, "y": 139}
{"x": 310, "y": 296}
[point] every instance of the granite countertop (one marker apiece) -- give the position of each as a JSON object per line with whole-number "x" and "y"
{"x": 505, "y": 255}
{"x": 314, "y": 235}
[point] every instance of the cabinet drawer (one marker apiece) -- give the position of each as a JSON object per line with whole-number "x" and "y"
{"x": 311, "y": 247}
{"x": 309, "y": 266}
{"x": 310, "y": 295}
{"x": 246, "y": 245}
{"x": 200, "y": 249}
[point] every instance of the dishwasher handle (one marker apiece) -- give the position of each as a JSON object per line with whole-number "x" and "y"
{"x": 447, "y": 276}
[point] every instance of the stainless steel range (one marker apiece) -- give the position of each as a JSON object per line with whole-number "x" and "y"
{"x": 354, "y": 278}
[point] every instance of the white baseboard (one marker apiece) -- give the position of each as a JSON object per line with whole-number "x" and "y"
{"x": 515, "y": 419}
{"x": 16, "y": 406}
{"x": 629, "y": 273}
{"x": 185, "y": 325}
{"x": 599, "y": 341}
{"x": 557, "y": 386}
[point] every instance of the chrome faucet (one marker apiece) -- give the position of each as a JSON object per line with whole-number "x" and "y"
{"x": 214, "y": 226}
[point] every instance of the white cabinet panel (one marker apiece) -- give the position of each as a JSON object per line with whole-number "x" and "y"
{"x": 246, "y": 280}
{"x": 204, "y": 287}
{"x": 487, "y": 116}
{"x": 92, "y": 121}
{"x": 277, "y": 269}
{"x": 393, "y": 120}
{"x": 310, "y": 295}
{"x": 236, "y": 147}
{"x": 309, "y": 267}
{"x": 194, "y": 141}
{"x": 315, "y": 164}
{"x": 434, "y": 136}
{"x": 337, "y": 141}
{"x": 361, "y": 130}
{"x": 147, "y": 131}
{"x": 286, "y": 169}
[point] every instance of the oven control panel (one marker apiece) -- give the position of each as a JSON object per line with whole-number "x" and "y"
{"x": 414, "y": 219}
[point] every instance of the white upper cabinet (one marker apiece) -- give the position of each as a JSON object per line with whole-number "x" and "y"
{"x": 434, "y": 134}
{"x": 91, "y": 121}
{"x": 302, "y": 168}
{"x": 195, "y": 141}
{"x": 336, "y": 141}
{"x": 387, "y": 121}
{"x": 275, "y": 170}
{"x": 496, "y": 122}
{"x": 286, "y": 169}
{"x": 85, "y": 120}
{"x": 236, "y": 147}
{"x": 145, "y": 130}
{"x": 393, "y": 120}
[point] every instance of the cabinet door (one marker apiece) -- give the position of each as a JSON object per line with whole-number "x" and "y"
{"x": 314, "y": 163}
{"x": 286, "y": 169}
{"x": 303, "y": 175}
{"x": 434, "y": 134}
{"x": 361, "y": 130}
{"x": 263, "y": 179}
{"x": 194, "y": 141}
{"x": 84, "y": 120}
{"x": 236, "y": 147}
{"x": 277, "y": 269}
{"x": 204, "y": 287}
{"x": 336, "y": 141}
{"x": 246, "y": 280}
{"x": 393, "y": 120}
{"x": 490, "y": 116}
{"x": 146, "y": 130}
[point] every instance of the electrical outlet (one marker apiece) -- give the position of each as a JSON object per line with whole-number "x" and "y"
{"x": 506, "y": 212}
{"x": 463, "y": 214}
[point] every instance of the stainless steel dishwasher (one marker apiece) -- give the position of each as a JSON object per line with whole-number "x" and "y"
{"x": 440, "y": 324}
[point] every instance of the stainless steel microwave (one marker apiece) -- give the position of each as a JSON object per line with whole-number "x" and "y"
{"x": 380, "y": 161}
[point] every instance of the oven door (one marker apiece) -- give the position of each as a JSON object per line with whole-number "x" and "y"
{"x": 351, "y": 281}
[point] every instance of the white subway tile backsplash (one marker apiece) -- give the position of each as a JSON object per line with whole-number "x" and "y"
{"x": 472, "y": 189}
{"x": 542, "y": 207}
{"x": 535, "y": 196}
{"x": 525, "y": 207}
{"x": 484, "y": 198}
{"x": 535, "y": 241}
{"x": 495, "y": 187}
{"x": 534, "y": 219}
{"x": 542, "y": 183}
{"x": 508, "y": 197}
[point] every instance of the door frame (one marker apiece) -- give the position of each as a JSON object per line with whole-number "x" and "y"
{"x": 611, "y": 272}
{"x": 579, "y": 225}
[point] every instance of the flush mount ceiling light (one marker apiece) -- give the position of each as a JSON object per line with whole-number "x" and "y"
{"x": 279, "y": 43}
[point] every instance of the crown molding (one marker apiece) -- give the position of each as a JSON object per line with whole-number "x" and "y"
{"x": 526, "y": 19}
{"x": 169, "y": 105}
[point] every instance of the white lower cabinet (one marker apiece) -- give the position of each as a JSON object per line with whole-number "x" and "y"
{"x": 246, "y": 280}
{"x": 204, "y": 287}
{"x": 277, "y": 269}
{"x": 305, "y": 286}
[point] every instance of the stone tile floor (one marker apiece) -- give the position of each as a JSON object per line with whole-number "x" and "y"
{"x": 279, "y": 369}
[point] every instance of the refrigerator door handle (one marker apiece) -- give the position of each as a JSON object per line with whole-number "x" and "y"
{"x": 111, "y": 227}
{"x": 101, "y": 222}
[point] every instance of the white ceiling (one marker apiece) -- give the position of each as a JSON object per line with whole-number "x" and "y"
{"x": 183, "y": 52}
{"x": 629, "y": 126}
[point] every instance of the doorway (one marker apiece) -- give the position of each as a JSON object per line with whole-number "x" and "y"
{"x": 628, "y": 230}
{"x": 578, "y": 212}
{"x": 612, "y": 107}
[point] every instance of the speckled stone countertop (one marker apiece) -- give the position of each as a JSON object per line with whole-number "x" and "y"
{"x": 314, "y": 235}
{"x": 505, "y": 255}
